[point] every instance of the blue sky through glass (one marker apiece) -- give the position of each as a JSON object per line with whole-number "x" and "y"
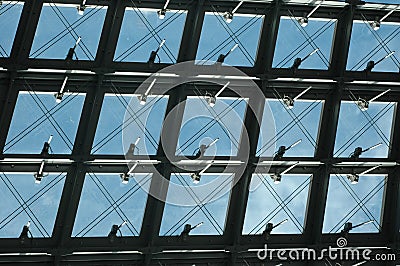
{"x": 202, "y": 124}
{"x": 292, "y": 42}
{"x": 367, "y": 44}
{"x": 355, "y": 203}
{"x": 211, "y": 208}
{"x": 273, "y": 203}
{"x": 105, "y": 201}
{"x": 123, "y": 113}
{"x": 364, "y": 129}
{"x": 22, "y": 200}
{"x": 37, "y": 116}
{"x": 142, "y": 32}
{"x": 10, "y": 13}
{"x": 218, "y": 37}
{"x": 301, "y": 122}
{"x": 53, "y": 40}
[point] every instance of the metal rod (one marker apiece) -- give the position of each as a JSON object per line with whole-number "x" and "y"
{"x": 294, "y": 144}
{"x": 315, "y": 9}
{"x": 137, "y": 141}
{"x": 205, "y": 168}
{"x": 281, "y": 222}
{"x": 151, "y": 85}
{"x": 379, "y": 95}
{"x": 301, "y": 93}
{"x": 290, "y": 168}
{"x": 166, "y": 4}
{"x": 63, "y": 85}
{"x": 237, "y": 7}
{"x": 388, "y": 14}
{"x": 222, "y": 89}
{"x": 371, "y": 169}
{"x": 133, "y": 168}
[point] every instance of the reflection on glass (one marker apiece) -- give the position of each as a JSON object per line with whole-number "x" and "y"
{"x": 105, "y": 201}
{"x": 123, "y": 120}
{"x": 294, "y": 41}
{"x": 300, "y": 122}
{"x": 142, "y": 31}
{"x": 203, "y": 124}
{"x": 366, "y": 45}
{"x": 10, "y": 13}
{"x": 205, "y": 202}
{"x": 272, "y": 203}
{"x": 59, "y": 28}
{"x": 22, "y": 200}
{"x": 364, "y": 129}
{"x": 37, "y": 116}
{"x": 218, "y": 37}
{"x": 355, "y": 203}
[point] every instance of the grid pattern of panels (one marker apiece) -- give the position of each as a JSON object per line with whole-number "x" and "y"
{"x": 88, "y": 164}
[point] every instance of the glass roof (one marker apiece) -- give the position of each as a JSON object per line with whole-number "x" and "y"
{"x": 24, "y": 201}
{"x": 203, "y": 124}
{"x": 37, "y": 116}
{"x": 367, "y": 44}
{"x": 273, "y": 203}
{"x": 364, "y": 129}
{"x": 106, "y": 201}
{"x": 210, "y": 208}
{"x": 142, "y": 31}
{"x": 355, "y": 203}
{"x": 123, "y": 120}
{"x": 53, "y": 40}
{"x": 299, "y": 123}
{"x": 9, "y": 17}
{"x": 218, "y": 37}
{"x": 297, "y": 41}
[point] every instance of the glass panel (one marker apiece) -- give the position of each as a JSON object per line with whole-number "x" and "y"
{"x": 105, "y": 201}
{"x": 357, "y": 203}
{"x": 37, "y": 116}
{"x": 120, "y": 126}
{"x": 202, "y": 124}
{"x": 364, "y": 129}
{"x": 10, "y": 12}
{"x": 366, "y": 45}
{"x": 210, "y": 197}
{"x": 142, "y": 32}
{"x": 60, "y": 26}
{"x": 218, "y": 37}
{"x": 273, "y": 203}
{"x": 23, "y": 200}
{"x": 291, "y": 125}
{"x": 297, "y": 41}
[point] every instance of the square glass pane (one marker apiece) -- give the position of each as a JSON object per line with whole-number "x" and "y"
{"x": 123, "y": 120}
{"x": 202, "y": 124}
{"x": 105, "y": 201}
{"x": 295, "y": 41}
{"x": 10, "y": 12}
{"x": 355, "y": 203}
{"x": 142, "y": 32}
{"x": 366, "y": 45}
{"x": 273, "y": 203}
{"x": 364, "y": 129}
{"x": 299, "y": 123}
{"x": 59, "y": 27}
{"x": 23, "y": 201}
{"x": 37, "y": 116}
{"x": 189, "y": 203}
{"x": 218, "y": 37}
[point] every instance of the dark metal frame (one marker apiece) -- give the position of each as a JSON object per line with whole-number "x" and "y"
{"x": 60, "y": 246}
